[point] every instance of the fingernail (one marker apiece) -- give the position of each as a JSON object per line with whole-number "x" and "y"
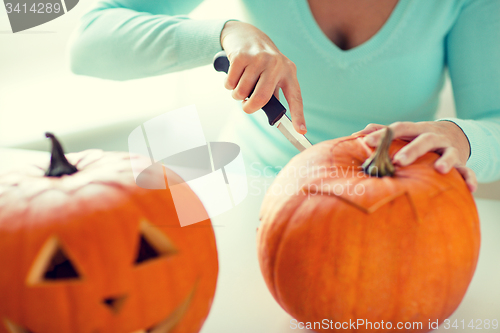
{"x": 401, "y": 158}
{"x": 302, "y": 127}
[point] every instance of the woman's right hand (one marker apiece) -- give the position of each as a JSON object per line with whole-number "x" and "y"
{"x": 257, "y": 62}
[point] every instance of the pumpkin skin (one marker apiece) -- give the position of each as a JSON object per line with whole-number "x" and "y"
{"x": 99, "y": 218}
{"x": 397, "y": 249}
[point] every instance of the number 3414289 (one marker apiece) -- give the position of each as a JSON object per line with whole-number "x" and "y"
{"x": 36, "y": 8}
{"x": 473, "y": 324}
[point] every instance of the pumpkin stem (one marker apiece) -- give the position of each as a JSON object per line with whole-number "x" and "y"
{"x": 379, "y": 164}
{"x": 59, "y": 165}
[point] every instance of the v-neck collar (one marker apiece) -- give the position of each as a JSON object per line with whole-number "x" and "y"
{"x": 331, "y": 50}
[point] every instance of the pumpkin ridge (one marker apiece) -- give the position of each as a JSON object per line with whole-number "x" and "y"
{"x": 398, "y": 287}
{"x": 276, "y": 254}
{"x": 448, "y": 265}
{"x": 92, "y": 156}
{"x": 331, "y": 217}
{"x": 359, "y": 270}
{"x": 33, "y": 195}
{"x": 400, "y": 281}
{"x": 77, "y": 189}
{"x": 332, "y": 148}
{"x": 116, "y": 185}
{"x": 413, "y": 208}
{"x": 471, "y": 241}
{"x": 88, "y": 153}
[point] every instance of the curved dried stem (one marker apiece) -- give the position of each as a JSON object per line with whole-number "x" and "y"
{"x": 379, "y": 164}
{"x": 59, "y": 165}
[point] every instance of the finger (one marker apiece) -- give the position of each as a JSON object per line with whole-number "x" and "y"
{"x": 234, "y": 74}
{"x": 266, "y": 85}
{"x": 277, "y": 93}
{"x": 401, "y": 130}
{"x": 408, "y": 129}
{"x": 291, "y": 90}
{"x": 369, "y": 129}
{"x": 246, "y": 84}
{"x": 448, "y": 159}
{"x": 419, "y": 146}
{"x": 469, "y": 177}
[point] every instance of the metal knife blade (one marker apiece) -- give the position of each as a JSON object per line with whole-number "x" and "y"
{"x": 275, "y": 111}
{"x": 298, "y": 140}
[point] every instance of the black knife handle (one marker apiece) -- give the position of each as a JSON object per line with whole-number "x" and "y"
{"x": 273, "y": 109}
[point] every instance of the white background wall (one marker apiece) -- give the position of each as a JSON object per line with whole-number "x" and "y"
{"x": 38, "y": 93}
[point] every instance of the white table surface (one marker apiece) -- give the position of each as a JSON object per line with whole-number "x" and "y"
{"x": 242, "y": 302}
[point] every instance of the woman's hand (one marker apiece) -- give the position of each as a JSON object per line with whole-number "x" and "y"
{"x": 442, "y": 137}
{"x": 257, "y": 62}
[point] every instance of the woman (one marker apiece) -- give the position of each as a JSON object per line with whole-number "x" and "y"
{"x": 358, "y": 62}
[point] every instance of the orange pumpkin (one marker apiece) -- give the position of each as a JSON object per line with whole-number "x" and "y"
{"x": 93, "y": 252}
{"x": 337, "y": 245}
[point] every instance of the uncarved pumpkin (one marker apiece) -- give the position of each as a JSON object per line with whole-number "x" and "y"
{"x": 93, "y": 252}
{"x": 337, "y": 245}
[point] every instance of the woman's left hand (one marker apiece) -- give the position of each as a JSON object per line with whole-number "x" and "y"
{"x": 442, "y": 137}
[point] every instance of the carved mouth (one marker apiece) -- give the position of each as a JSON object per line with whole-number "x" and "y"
{"x": 164, "y": 326}
{"x": 173, "y": 319}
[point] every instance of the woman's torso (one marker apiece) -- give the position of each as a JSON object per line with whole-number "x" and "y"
{"x": 396, "y": 75}
{"x": 350, "y": 23}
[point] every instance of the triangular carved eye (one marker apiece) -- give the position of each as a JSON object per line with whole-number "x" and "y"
{"x": 53, "y": 265}
{"x": 152, "y": 244}
{"x": 146, "y": 251}
{"x": 60, "y": 267}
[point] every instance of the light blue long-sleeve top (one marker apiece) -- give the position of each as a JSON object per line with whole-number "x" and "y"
{"x": 394, "y": 76}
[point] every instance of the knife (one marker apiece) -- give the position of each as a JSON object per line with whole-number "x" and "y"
{"x": 275, "y": 111}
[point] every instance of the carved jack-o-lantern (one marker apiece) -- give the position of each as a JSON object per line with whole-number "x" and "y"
{"x": 93, "y": 252}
